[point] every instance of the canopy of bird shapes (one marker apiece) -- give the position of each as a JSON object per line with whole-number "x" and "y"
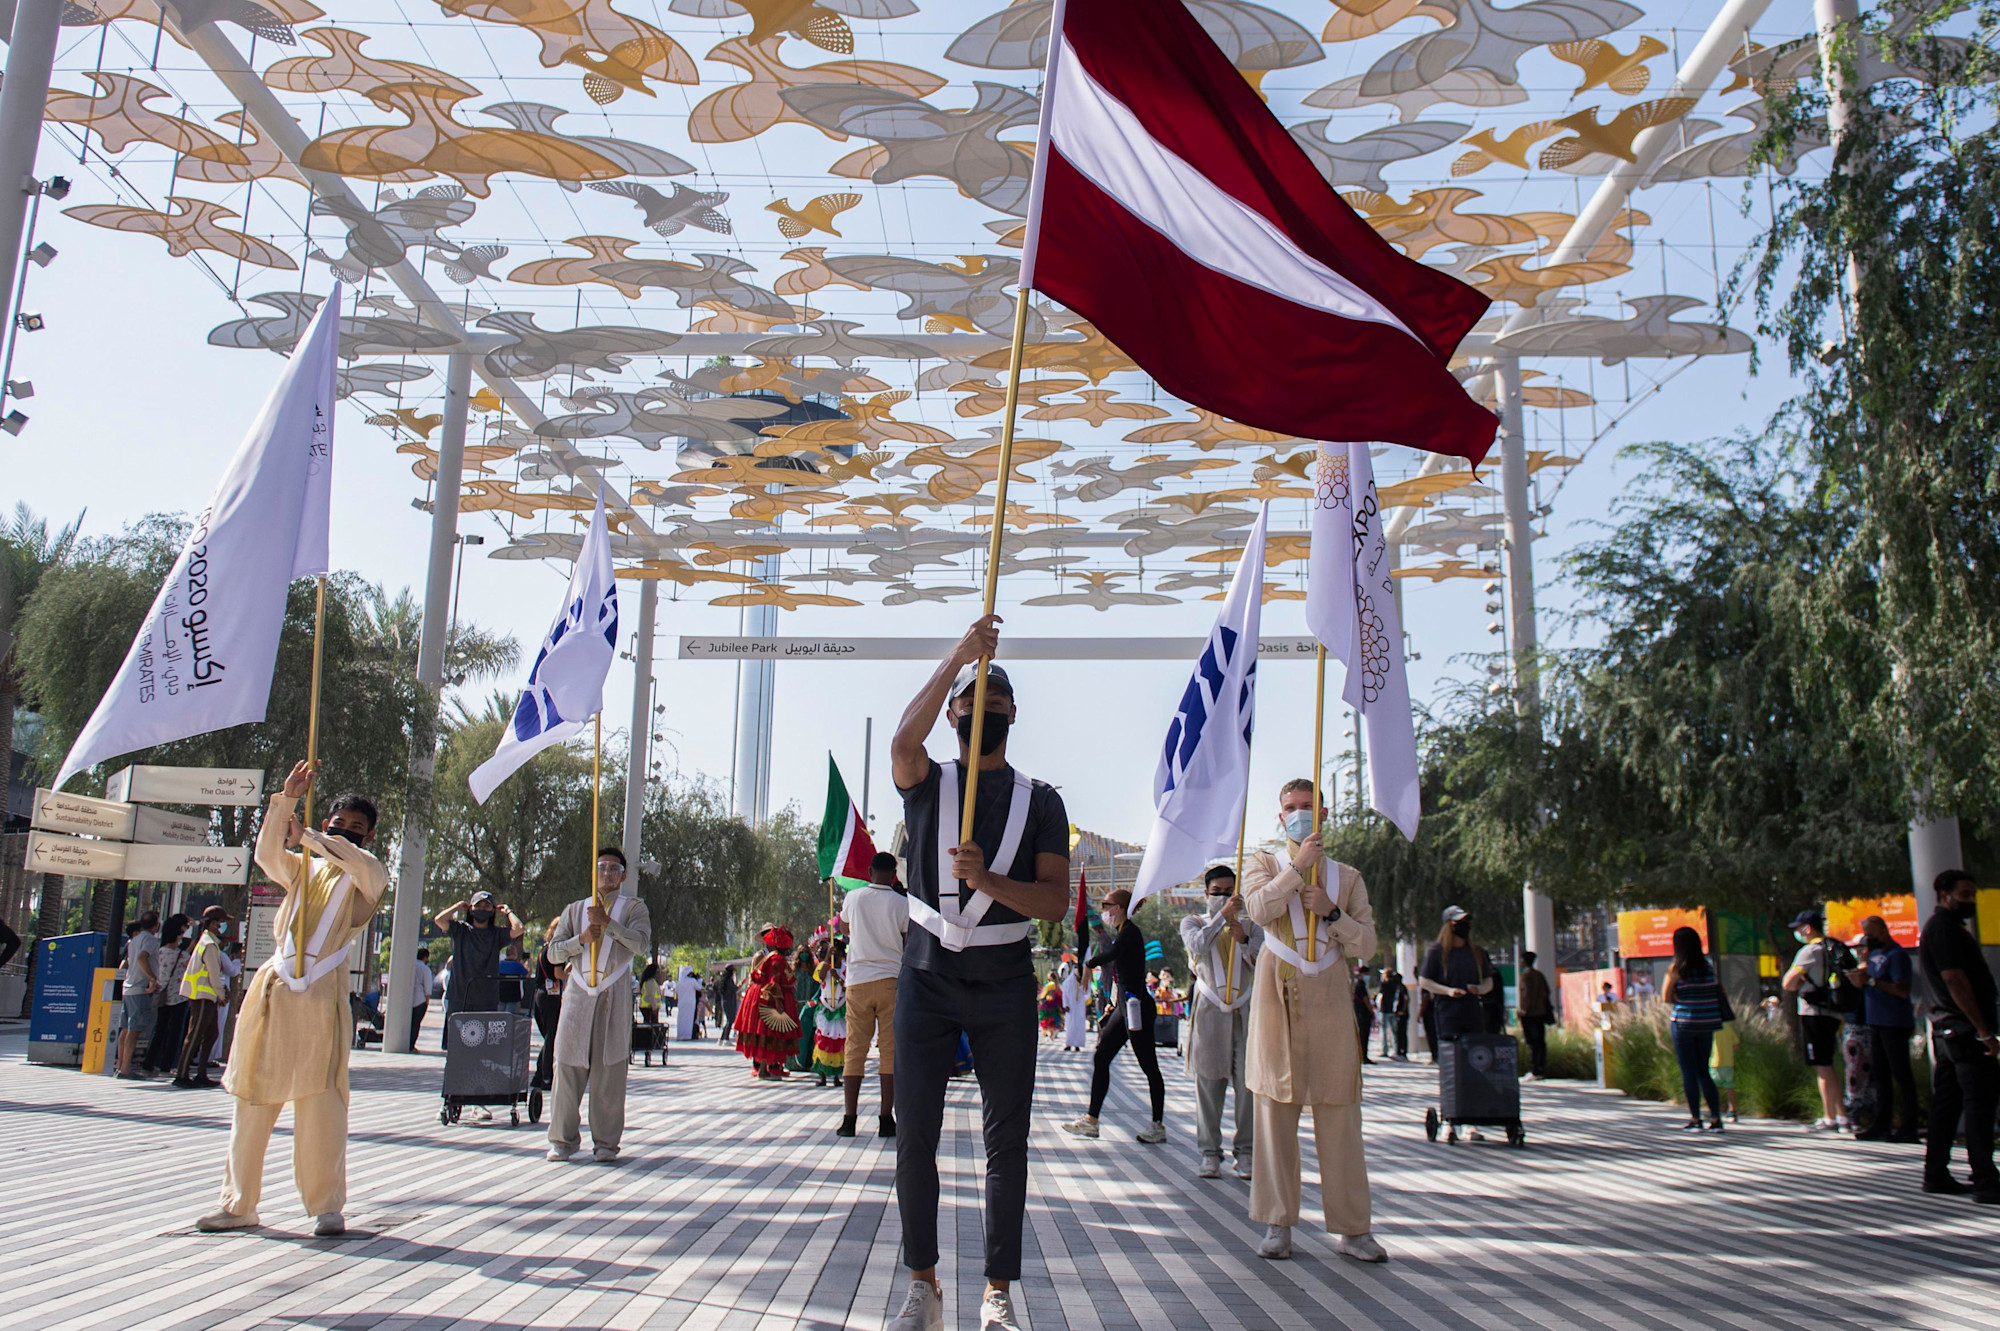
{"x": 478, "y": 458}
{"x": 669, "y": 214}
{"x": 1279, "y": 548}
{"x": 1098, "y": 406}
{"x": 1207, "y": 432}
{"x": 990, "y": 395}
{"x": 1359, "y": 161}
{"x": 1158, "y": 530}
{"x": 873, "y": 422}
{"x": 347, "y": 68}
{"x": 1419, "y": 491}
{"x": 709, "y": 277}
{"x": 187, "y": 225}
{"x": 1540, "y": 458}
{"x": 120, "y": 115}
{"x": 811, "y": 275}
{"x": 744, "y": 110}
{"x": 907, "y": 593}
{"x": 1734, "y": 154}
{"x": 634, "y": 159}
{"x": 962, "y": 474}
{"x": 792, "y": 381}
{"x": 810, "y": 21}
{"x": 771, "y": 505}
{"x": 419, "y": 425}
{"x": 1650, "y": 333}
{"x": 914, "y": 138}
{"x": 1507, "y": 277}
{"x": 655, "y": 415}
{"x": 1431, "y": 218}
{"x": 715, "y": 554}
{"x": 383, "y": 235}
{"x": 469, "y": 263}
{"x": 781, "y": 597}
{"x": 551, "y": 464}
{"x": 483, "y": 496}
{"x": 675, "y": 571}
{"x": 1187, "y": 580}
{"x": 719, "y": 316}
{"x": 567, "y": 271}
{"x": 1550, "y": 397}
{"x": 1589, "y": 138}
{"x": 1103, "y": 479}
{"x": 1092, "y": 355}
{"x": 534, "y": 352}
{"x": 1460, "y": 87}
{"x": 895, "y": 509}
{"x": 616, "y": 52}
{"x": 1096, "y": 588}
{"x": 971, "y": 295}
{"x": 841, "y": 341}
{"x": 1605, "y": 66}
{"x": 273, "y": 20}
{"x": 1452, "y": 529}
{"x": 1255, "y": 40}
{"x": 360, "y": 334}
{"x": 1481, "y": 35}
{"x": 1022, "y": 518}
{"x": 740, "y": 469}
{"x": 382, "y": 378}
{"x": 1439, "y": 572}
{"x": 816, "y": 215}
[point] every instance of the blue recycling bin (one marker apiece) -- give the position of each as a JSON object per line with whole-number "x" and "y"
{"x": 61, "y": 1013}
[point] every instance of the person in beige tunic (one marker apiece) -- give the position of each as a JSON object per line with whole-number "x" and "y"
{"x": 1304, "y": 1049}
{"x": 1222, "y": 947}
{"x": 294, "y": 1030}
{"x": 596, "y": 938}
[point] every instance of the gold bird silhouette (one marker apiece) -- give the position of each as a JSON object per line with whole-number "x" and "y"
{"x": 408, "y": 419}
{"x": 608, "y": 77}
{"x": 1604, "y": 65}
{"x": 713, "y": 554}
{"x": 486, "y": 400}
{"x": 870, "y": 416}
{"x": 783, "y": 597}
{"x": 1615, "y": 135}
{"x": 1098, "y": 406}
{"x": 1512, "y": 149}
{"x": 801, "y": 18}
{"x": 1207, "y": 431}
{"x": 1506, "y": 277}
{"x": 988, "y": 398}
{"x": 673, "y": 570}
{"x": 815, "y": 216}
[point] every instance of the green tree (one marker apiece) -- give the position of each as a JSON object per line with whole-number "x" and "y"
{"x": 28, "y": 550}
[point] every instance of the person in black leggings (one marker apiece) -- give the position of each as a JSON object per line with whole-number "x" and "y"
{"x": 1127, "y": 956}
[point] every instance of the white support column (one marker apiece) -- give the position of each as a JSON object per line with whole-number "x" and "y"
{"x": 31, "y": 54}
{"x": 406, "y": 919}
{"x": 637, "y": 760}
{"x": 755, "y": 702}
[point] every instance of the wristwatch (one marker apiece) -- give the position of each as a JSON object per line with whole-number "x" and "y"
{"x": 1333, "y": 915}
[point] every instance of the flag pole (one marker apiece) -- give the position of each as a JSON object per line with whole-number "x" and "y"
{"x": 312, "y": 769}
{"x": 1319, "y": 739}
{"x": 596, "y": 780}
{"x": 993, "y": 559}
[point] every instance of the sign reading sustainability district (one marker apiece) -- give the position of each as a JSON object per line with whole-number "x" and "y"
{"x": 50, "y": 852}
{"x": 1011, "y": 649}
{"x": 83, "y": 815}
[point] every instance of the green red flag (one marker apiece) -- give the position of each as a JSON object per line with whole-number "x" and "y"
{"x": 845, "y": 848}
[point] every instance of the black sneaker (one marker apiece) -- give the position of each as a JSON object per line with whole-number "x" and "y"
{"x": 1988, "y": 1193}
{"x": 1947, "y": 1185}
{"x": 185, "y": 1083}
{"x": 846, "y": 1128}
{"x": 886, "y": 1126}
{"x": 1692, "y": 1125}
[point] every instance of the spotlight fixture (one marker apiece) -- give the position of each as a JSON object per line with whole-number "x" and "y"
{"x": 21, "y": 388}
{"x": 43, "y": 254}
{"x": 57, "y": 188}
{"x": 1493, "y": 627}
{"x": 1492, "y": 607}
{"x": 30, "y": 322}
{"x": 472, "y": 540}
{"x": 1492, "y": 589}
{"x": 423, "y": 505}
{"x": 13, "y": 422}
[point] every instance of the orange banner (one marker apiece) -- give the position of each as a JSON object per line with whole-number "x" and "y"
{"x": 1650, "y": 933}
{"x": 1843, "y": 918}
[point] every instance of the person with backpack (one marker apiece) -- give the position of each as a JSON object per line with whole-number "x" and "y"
{"x": 1817, "y": 978}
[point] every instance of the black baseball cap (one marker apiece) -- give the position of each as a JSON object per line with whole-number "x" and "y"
{"x": 1812, "y": 917}
{"x": 996, "y": 680}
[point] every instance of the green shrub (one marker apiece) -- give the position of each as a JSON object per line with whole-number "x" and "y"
{"x": 1641, "y": 1052}
{"x": 1772, "y": 1079}
{"x": 1572, "y": 1054}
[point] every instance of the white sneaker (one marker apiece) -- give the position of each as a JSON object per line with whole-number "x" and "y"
{"x": 1361, "y": 1247}
{"x": 330, "y": 1226}
{"x": 996, "y": 1312}
{"x": 219, "y": 1221}
{"x": 1153, "y": 1135}
{"x": 558, "y": 1154}
{"x": 1083, "y": 1125}
{"x": 1277, "y": 1244}
{"x": 1211, "y": 1167}
{"x": 604, "y": 1155}
{"x": 923, "y": 1310}
{"x": 479, "y": 1113}
{"x": 1820, "y": 1125}
{"x": 1243, "y": 1167}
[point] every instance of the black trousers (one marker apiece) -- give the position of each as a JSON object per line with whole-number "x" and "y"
{"x": 1112, "y": 1035}
{"x": 1535, "y": 1030}
{"x": 1402, "y": 1024}
{"x": 1889, "y": 1053}
{"x": 169, "y": 1033}
{"x": 1965, "y": 1084}
{"x": 417, "y": 1011}
{"x": 198, "y": 1040}
{"x": 548, "y": 1012}
{"x": 998, "y": 1019}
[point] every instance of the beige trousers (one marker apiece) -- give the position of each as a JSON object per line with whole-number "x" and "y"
{"x": 1275, "y": 1176}
{"x": 605, "y": 1079}
{"x": 319, "y": 1153}
{"x": 871, "y": 1015}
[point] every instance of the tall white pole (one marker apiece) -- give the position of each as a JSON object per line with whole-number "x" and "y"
{"x": 755, "y": 697}
{"x": 407, "y": 913}
{"x": 31, "y": 54}
{"x": 640, "y": 749}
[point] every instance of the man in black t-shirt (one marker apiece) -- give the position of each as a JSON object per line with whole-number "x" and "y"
{"x": 1965, "y": 1077}
{"x": 477, "y": 940}
{"x": 968, "y": 966}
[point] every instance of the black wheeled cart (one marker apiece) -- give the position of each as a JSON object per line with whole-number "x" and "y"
{"x": 488, "y": 1064}
{"x": 1479, "y": 1085}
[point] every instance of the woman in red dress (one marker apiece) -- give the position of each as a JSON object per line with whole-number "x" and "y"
{"x": 767, "y": 1022}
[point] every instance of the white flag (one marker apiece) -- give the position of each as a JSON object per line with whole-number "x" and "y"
{"x": 1200, "y": 786}
{"x": 203, "y": 658}
{"x": 1351, "y": 607}
{"x": 566, "y": 686}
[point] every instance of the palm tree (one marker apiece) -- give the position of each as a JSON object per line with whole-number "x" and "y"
{"x": 392, "y": 625}
{"x": 28, "y": 549}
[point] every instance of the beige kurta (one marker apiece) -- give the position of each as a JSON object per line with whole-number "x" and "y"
{"x": 1304, "y": 1048}
{"x": 1212, "y": 1030}
{"x": 292, "y": 1043}
{"x": 628, "y": 935}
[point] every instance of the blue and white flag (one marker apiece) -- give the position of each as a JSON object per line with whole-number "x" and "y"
{"x": 566, "y": 686}
{"x": 1204, "y": 768}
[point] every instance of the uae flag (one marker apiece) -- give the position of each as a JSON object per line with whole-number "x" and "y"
{"x": 1172, "y": 210}
{"x": 845, "y": 848}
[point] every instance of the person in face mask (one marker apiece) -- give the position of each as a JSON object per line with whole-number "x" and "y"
{"x": 479, "y": 931}
{"x": 1965, "y": 1077}
{"x": 1304, "y": 1050}
{"x": 1222, "y": 945}
{"x": 1456, "y": 977}
{"x": 203, "y": 984}
{"x": 1811, "y": 976}
{"x": 1131, "y": 1018}
{"x": 293, "y": 1032}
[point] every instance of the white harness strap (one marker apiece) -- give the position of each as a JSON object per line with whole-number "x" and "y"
{"x": 1206, "y": 992}
{"x": 1329, "y": 951}
{"x": 954, "y": 928}
{"x": 286, "y": 962}
{"x": 605, "y": 979}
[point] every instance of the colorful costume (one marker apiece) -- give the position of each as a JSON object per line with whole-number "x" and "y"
{"x": 1050, "y": 1008}
{"x": 767, "y": 1020}
{"x": 801, "y": 1058}
{"x": 830, "y": 1023}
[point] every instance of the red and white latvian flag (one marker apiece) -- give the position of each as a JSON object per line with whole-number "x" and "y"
{"x": 845, "y": 848}
{"x": 1172, "y": 210}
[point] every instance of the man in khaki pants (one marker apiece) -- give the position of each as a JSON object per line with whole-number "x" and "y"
{"x": 1304, "y": 1046}
{"x": 877, "y": 917}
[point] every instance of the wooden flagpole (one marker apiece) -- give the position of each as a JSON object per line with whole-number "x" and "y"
{"x": 993, "y": 558}
{"x": 1319, "y": 740}
{"x": 1229, "y": 958}
{"x": 596, "y": 783}
{"x": 312, "y": 769}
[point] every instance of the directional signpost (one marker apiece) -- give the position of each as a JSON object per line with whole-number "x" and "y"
{"x": 118, "y": 838}
{"x": 187, "y": 785}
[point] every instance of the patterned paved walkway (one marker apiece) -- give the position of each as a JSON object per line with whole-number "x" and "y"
{"x": 737, "y": 1208}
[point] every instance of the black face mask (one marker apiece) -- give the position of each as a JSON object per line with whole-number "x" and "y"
{"x": 482, "y": 917}
{"x": 1965, "y": 910}
{"x": 991, "y": 736}
{"x": 1462, "y": 928}
{"x": 346, "y": 834}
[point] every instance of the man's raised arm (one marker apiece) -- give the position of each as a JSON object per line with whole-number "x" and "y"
{"x": 908, "y": 761}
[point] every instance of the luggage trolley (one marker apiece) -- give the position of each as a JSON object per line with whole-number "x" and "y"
{"x": 1479, "y": 1085}
{"x": 488, "y": 1064}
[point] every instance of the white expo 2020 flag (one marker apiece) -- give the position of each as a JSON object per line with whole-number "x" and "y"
{"x": 203, "y": 658}
{"x": 566, "y": 684}
{"x": 1351, "y": 609}
{"x": 1204, "y": 771}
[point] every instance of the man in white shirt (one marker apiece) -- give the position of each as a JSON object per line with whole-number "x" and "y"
{"x": 420, "y": 992}
{"x": 142, "y": 987}
{"x": 877, "y": 918}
